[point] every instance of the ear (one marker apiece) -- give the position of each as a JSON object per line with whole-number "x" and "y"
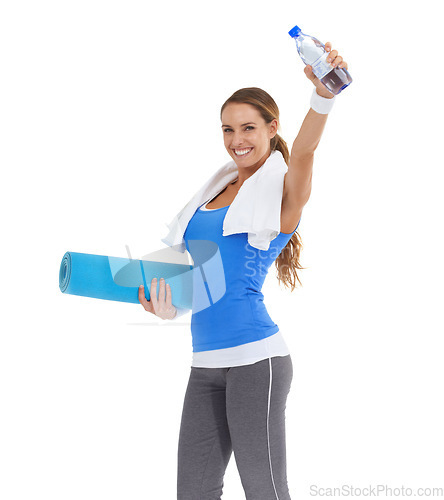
{"x": 273, "y": 128}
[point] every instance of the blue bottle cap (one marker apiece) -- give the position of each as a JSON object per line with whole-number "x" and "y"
{"x": 294, "y": 31}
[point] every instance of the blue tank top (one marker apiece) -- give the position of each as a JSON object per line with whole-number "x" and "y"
{"x": 228, "y": 305}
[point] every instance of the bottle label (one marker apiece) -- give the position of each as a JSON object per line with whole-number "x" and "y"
{"x": 321, "y": 67}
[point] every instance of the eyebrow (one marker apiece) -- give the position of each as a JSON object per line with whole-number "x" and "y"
{"x": 243, "y": 124}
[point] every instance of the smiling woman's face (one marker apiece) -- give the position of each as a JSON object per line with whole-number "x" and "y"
{"x": 246, "y": 135}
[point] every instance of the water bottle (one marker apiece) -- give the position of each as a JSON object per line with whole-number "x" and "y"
{"x": 313, "y": 52}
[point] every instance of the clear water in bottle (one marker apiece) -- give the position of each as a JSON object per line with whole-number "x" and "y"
{"x": 313, "y": 52}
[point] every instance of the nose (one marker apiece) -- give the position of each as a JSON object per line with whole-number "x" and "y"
{"x": 237, "y": 139}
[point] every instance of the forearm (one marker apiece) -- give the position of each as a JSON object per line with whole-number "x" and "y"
{"x": 310, "y": 134}
{"x": 180, "y": 312}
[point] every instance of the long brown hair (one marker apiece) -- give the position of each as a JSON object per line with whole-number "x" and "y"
{"x": 288, "y": 260}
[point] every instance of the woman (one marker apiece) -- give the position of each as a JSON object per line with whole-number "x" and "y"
{"x": 238, "y": 386}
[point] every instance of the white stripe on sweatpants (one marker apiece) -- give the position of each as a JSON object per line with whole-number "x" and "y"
{"x": 268, "y": 430}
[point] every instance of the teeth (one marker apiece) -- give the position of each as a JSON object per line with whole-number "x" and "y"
{"x": 241, "y": 152}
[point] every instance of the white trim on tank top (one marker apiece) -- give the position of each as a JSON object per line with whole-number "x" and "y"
{"x": 204, "y": 207}
{"x": 245, "y": 354}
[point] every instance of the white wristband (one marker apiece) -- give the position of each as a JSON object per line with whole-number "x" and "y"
{"x": 321, "y": 105}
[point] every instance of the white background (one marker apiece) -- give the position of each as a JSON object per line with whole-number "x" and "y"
{"x": 109, "y": 124}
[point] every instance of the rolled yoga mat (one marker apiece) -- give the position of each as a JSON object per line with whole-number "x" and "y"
{"x": 118, "y": 278}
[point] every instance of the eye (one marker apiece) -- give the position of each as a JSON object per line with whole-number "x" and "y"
{"x": 246, "y": 128}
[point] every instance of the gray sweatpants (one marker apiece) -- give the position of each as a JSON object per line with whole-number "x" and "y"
{"x": 241, "y": 410}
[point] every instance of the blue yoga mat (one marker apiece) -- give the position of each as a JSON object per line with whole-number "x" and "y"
{"x": 118, "y": 278}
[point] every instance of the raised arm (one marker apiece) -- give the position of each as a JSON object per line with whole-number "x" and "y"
{"x": 297, "y": 182}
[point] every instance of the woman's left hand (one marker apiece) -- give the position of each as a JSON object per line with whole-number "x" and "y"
{"x": 336, "y": 61}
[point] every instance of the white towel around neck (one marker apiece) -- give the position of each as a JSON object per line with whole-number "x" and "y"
{"x": 255, "y": 210}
